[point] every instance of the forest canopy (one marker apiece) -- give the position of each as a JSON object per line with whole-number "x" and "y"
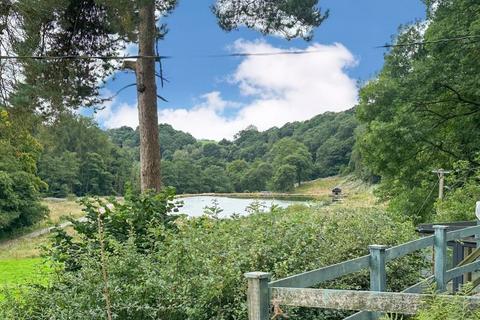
{"x": 79, "y": 158}
{"x": 422, "y": 112}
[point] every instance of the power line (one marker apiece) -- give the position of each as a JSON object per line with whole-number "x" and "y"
{"x": 71, "y": 57}
{"x": 426, "y": 199}
{"x": 419, "y": 43}
{"x": 227, "y": 55}
{"x": 157, "y": 57}
{"x": 247, "y": 54}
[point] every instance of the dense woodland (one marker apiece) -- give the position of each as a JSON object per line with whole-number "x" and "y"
{"x": 80, "y": 159}
{"x": 399, "y": 132}
{"x": 421, "y": 112}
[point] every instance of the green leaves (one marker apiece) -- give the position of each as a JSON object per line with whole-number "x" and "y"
{"x": 422, "y": 111}
{"x": 288, "y": 18}
{"x": 19, "y": 185}
{"x": 195, "y": 269}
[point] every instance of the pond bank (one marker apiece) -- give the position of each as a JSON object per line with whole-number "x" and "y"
{"x": 259, "y": 195}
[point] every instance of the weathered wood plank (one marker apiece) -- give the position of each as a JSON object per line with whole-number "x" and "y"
{"x": 458, "y": 271}
{"x": 416, "y": 288}
{"x": 258, "y": 295}
{"x": 311, "y": 278}
{"x": 462, "y": 233}
{"x": 408, "y": 247}
{"x": 391, "y": 302}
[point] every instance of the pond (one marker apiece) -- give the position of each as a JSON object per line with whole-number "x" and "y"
{"x": 194, "y": 206}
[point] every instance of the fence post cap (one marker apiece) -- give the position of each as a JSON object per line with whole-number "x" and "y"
{"x": 440, "y": 227}
{"x": 377, "y": 247}
{"x": 257, "y": 275}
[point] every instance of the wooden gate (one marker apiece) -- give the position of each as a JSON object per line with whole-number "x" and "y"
{"x": 295, "y": 291}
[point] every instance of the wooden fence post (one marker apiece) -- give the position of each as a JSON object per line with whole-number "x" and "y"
{"x": 477, "y": 214}
{"x": 378, "y": 276}
{"x": 440, "y": 247}
{"x": 258, "y": 295}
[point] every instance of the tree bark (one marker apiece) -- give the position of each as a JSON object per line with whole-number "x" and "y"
{"x": 147, "y": 100}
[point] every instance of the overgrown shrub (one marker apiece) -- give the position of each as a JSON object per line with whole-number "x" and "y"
{"x": 142, "y": 218}
{"x": 195, "y": 270}
{"x": 19, "y": 184}
{"x": 452, "y": 309}
{"x": 462, "y": 194}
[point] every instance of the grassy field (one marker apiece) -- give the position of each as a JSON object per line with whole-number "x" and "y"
{"x": 20, "y": 260}
{"x": 19, "y": 256}
{"x": 354, "y": 192}
{"x": 59, "y": 209}
{"x": 22, "y": 271}
{"x": 18, "y": 246}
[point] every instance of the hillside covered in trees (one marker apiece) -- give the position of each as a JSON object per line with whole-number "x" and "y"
{"x": 139, "y": 259}
{"x": 79, "y": 158}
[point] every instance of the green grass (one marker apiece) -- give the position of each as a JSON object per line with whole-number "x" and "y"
{"x": 22, "y": 271}
{"x": 19, "y": 257}
{"x": 321, "y": 186}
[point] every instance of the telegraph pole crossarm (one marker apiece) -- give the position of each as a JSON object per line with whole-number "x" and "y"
{"x": 441, "y": 177}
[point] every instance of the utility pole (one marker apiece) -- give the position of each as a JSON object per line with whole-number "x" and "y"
{"x": 441, "y": 178}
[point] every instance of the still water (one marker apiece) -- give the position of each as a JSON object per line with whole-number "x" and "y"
{"x": 195, "y": 206}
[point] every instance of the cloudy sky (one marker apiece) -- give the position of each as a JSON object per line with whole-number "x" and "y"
{"x": 215, "y": 97}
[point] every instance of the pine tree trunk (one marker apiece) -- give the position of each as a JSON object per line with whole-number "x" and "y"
{"x": 147, "y": 100}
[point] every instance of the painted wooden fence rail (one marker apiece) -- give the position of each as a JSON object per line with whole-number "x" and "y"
{"x": 295, "y": 291}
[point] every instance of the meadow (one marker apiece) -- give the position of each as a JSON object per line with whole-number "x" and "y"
{"x": 20, "y": 254}
{"x": 20, "y": 260}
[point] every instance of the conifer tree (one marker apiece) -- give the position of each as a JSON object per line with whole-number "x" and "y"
{"x": 100, "y": 28}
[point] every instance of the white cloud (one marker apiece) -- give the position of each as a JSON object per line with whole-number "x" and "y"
{"x": 206, "y": 119}
{"x": 282, "y": 88}
{"x": 117, "y": 115}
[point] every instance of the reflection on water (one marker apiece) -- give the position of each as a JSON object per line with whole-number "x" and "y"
{"x": 195, "y": 206}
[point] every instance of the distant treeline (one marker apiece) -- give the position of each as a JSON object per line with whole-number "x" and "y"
{"x": 79, "y": 158}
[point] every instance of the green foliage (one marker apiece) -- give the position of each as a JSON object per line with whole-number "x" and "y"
{"x": 456, "y": 309}
{"x": 63, "y": 28}
{"x": 94, "y": 175}
{"x": 60, "y": 172}
{"x": 195, "y": 270}
{"x": 288, "y": 151}
{"x": 78, "y": 158}
{"x": 317, "y": 147}
{"x": 145, "y": 216}
{"x": 256, "y": 178}
{"x": 216, "y": 179}
{"x": 236, "y": 170}
{"x": 284, "y": 178}
{"x": 421, "y": 112}
{"x": 291, "y": 19}
{"x": 172, "y": 140}
{"x": 459, "y": 203}
{"x": 23, "y": 271}
{"x": 19, "y": 185}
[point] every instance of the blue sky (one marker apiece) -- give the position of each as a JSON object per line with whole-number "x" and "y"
{"x": 216, "y": 97}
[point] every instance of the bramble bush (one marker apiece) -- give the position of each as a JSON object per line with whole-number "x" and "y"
{"x": 192, "y": 268}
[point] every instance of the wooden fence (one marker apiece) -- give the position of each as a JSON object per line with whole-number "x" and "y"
{"x": 295, "y": 291}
